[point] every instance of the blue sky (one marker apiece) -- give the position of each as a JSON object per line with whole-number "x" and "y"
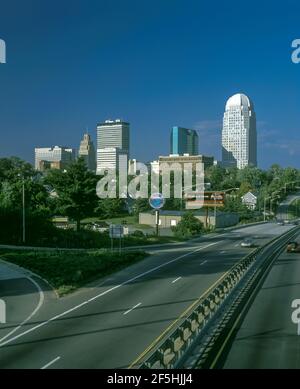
{"x": 158, "y": 63}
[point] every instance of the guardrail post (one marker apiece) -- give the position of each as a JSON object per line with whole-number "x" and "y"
{"x": 200, "y": 312}
{"x": 161, "y": 356}
{"x": 194, "y": 321}
{"x": 206, "y": 304}
{"x": 2, "y": 312}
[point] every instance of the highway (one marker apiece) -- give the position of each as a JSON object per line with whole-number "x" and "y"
{"x": 16, "y": 284}
{"x": 110, "y": 323}
{"x": 267, "y": 337}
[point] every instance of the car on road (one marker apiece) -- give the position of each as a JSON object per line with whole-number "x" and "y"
{"x": 280, "y": 223}
{"x": 97, "y": 226}
{"x": 293, "y": 247}
{"x": 248, "y": 242}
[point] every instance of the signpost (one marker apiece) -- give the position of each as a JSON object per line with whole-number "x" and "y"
{"x": 116, "y": 231}
{"x": 205, "y": 199}
{"x": 2, "y": 312}
{"x": 156, "y": 202}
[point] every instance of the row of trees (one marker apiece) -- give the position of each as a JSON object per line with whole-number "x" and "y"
{"x": 69, "y": 193}
{"x": 72, "y": 193}
{"x": 265, "y": 183}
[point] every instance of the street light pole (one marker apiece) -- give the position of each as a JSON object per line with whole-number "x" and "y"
{"x": 23, "y": 218}
{"x": 265, "y": 207}
{"x": 215, "y": 209}
{"x": 271, "y": 201}
{"x": 23, "y": 209}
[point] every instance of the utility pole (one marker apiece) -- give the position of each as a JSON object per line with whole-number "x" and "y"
{"x": 265, "y": 207}
{"x": 23, "y": 204}
{"x": 23, "y": 209}
{"x": 271, "y": 201}
{"x": 265, "y": 200}
{"x": 157, "y": 222}
{"x": 215, "y": 210}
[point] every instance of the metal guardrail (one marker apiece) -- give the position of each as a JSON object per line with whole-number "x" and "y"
{"x": 171, "y": 350}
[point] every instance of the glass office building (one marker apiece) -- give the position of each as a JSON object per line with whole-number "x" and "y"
{"x": 184, "y": 141}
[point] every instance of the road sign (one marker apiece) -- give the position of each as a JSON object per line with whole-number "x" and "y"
{"x": 2, "y": 312}
{"x": 125, "y": 230}
{"x": 205, "y": 199}
{"x": 156, "y": 201}
{"x": 116, "y": 231}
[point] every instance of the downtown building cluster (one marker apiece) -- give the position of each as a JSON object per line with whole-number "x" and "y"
{"x": 239, "y": 144}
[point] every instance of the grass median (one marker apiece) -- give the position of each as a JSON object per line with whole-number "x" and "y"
{"x": 67, "y": 271}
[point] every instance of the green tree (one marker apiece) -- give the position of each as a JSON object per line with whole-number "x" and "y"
{"x": 188, "y": 226}
{"x": 251, "y": 175}
{"x": 234, "y": 204}
{"x": 244, "y": 188}
{"x": 12, "y": 173}
{"x": 76, "y": 190}
{"x": 215, "y": 176}
{"x": 108, "y": 208}
{"x": 140, "y": 205}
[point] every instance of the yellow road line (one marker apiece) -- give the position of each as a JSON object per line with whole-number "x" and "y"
{"x": 152, "y": 345}
{"x": 248, "y": 303}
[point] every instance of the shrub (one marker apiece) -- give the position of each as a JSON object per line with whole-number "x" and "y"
{"x": 188, "y": 226}
{"x": 138, "y": 234}
{"x": 68, "y": 270}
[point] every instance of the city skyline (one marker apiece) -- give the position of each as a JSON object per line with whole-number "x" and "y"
{"x": 149, "y": 188}
{"x": 102, "y": 75}
{"x": 113, "y": 138}
{"x": 201, "y": 128}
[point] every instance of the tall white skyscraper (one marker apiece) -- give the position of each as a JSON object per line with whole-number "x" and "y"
{"x": 112, "y": 141}
{"x": 239, "y": 139}
{"x": 112, "y": 158}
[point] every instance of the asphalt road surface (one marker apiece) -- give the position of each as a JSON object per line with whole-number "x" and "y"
{"x": 110, "y": 323}
{"x": 268, "y": 338}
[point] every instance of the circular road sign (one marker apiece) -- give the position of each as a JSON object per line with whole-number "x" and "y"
{"x": 157, "y": 201}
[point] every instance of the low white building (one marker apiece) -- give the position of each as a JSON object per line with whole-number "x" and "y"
{"x": 168, "y": 219}
{"x": 250, "y": 200}
{"x": 53, "y": 157}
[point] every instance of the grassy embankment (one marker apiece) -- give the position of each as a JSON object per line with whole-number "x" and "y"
{"x": 67, "y": 271}
{"x": 126, "y": 219}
